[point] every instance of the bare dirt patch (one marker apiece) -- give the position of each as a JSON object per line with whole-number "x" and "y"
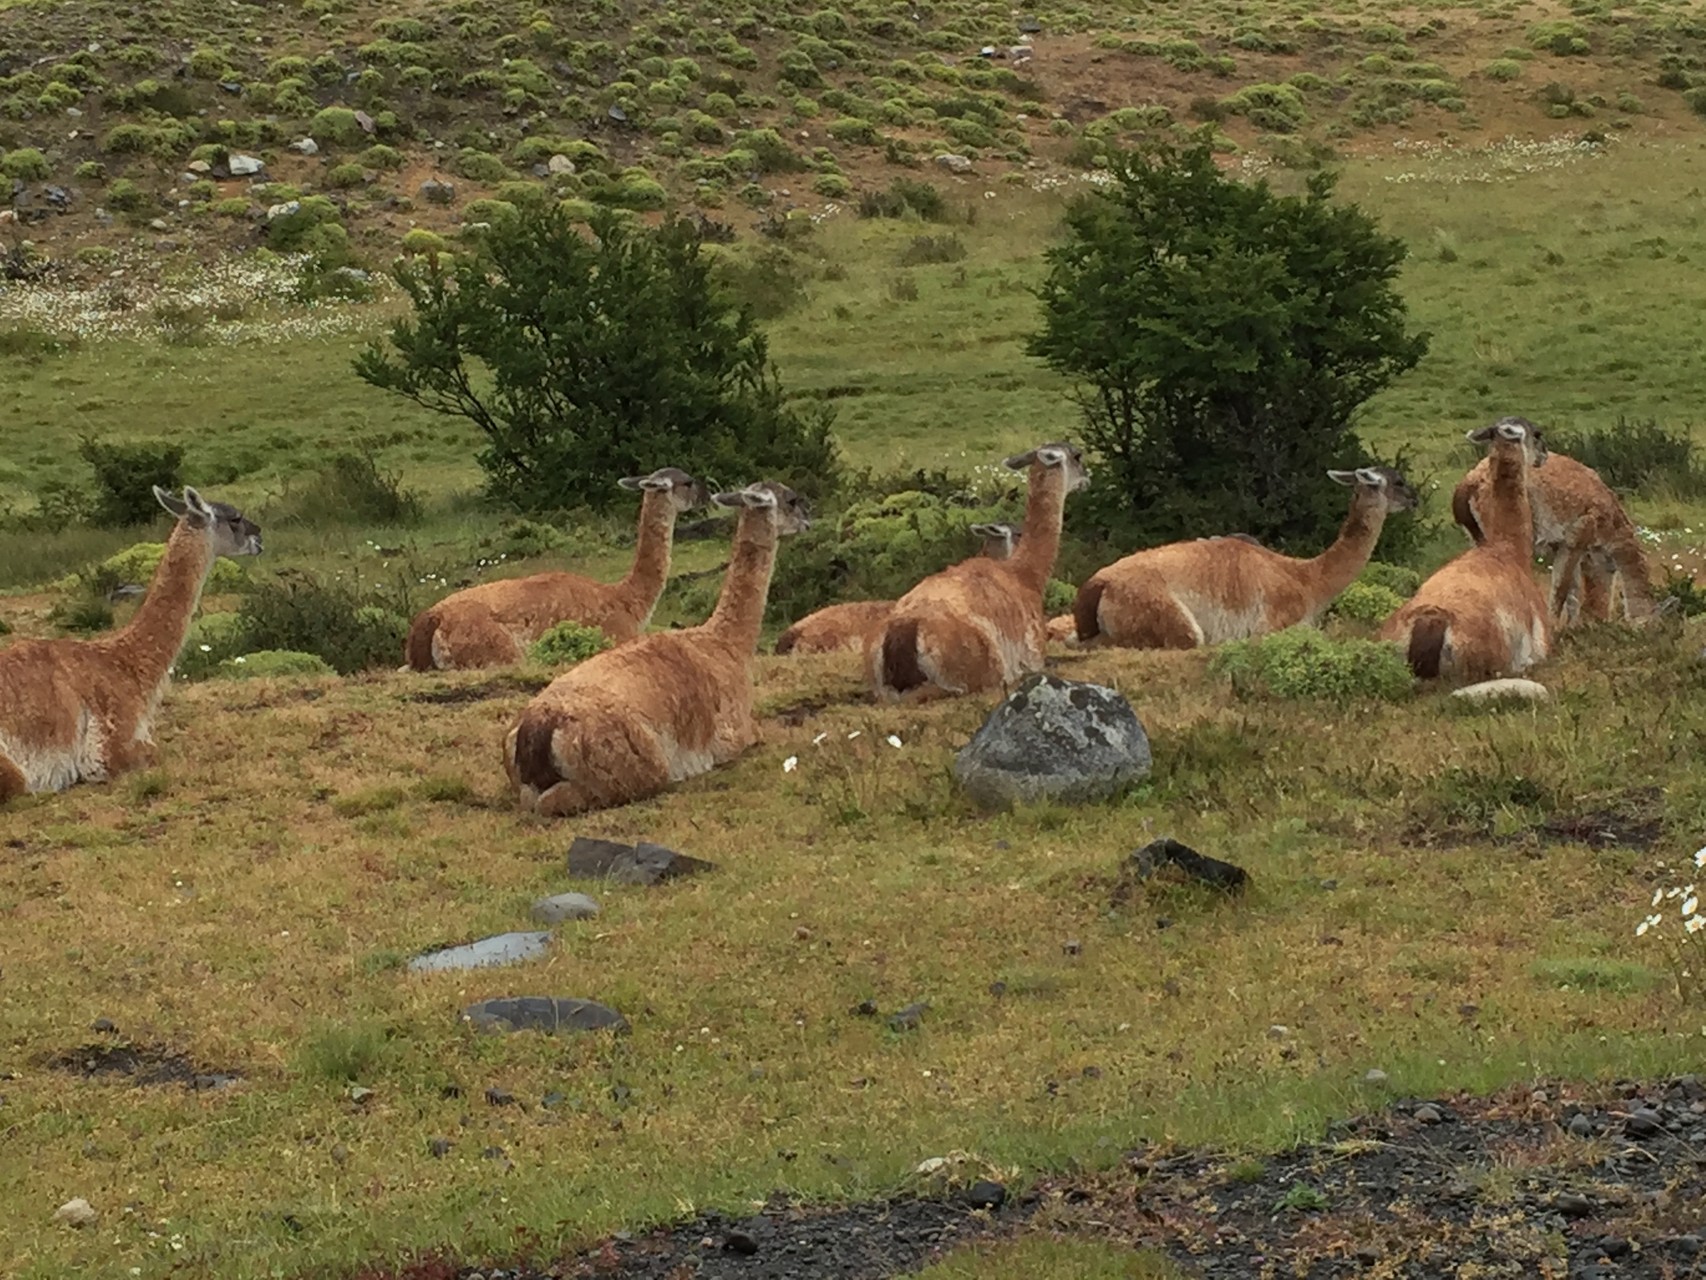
{"x": 140, "y": 1065}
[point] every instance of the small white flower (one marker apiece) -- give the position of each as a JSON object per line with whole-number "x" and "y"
{"x": 1691, "y": 907}
{"x": 1694, "y": 924}
{"x": 894, "y": 740}
{"x": 1641, "y": 929}
{"x": 1658, "y": 896}
{"x": 206, "y": 648}
{"x": 239, "y": 659}
{"x": 790, "y": 764}
{"x": 1700, "y": 858}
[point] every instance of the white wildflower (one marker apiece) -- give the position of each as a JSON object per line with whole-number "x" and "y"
{"x": 790, "y": 764}
{"x": 1691, "y": 907}
{"x": 206, "y": 648}
{"x": 894, "y": 740}
{"x": 1641, "y": 929}
{"x": 1694, "y": 924}
{"x": 1658, "y": 896}
{"x": 1700, "y": 858}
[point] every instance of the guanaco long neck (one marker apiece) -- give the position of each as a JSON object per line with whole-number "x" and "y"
{"x": 746, "y": 587}
{"x": 644, "y": 582}
{"x": 1506, "y": 516}
{"x": 1337, "y": 567}
{"x": 1045, "y": 506}
{"x": 152, "y": 640}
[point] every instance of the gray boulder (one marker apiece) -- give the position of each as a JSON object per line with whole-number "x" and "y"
{"x": 1054, "y": 739}
{"x": 550, "y": 1014}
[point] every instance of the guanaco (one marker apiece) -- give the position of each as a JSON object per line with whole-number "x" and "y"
{"x": 494, "y": 623}
{"x": 628, "y": 722}
{"x": 844, "y": 626}
{"x": 978, "y": 625}
{"x": 1483, "y": 615}
{"x": 83, "y": 710}
{"x": 1212, "y": 590}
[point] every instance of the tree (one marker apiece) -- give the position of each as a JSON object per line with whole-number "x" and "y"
{"x": 585, "y": 358}
{"x": 1222, "y": 336}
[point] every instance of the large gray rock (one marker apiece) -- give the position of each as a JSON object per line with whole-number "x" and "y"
{"x": 1054, "y": 739}
{"x": 550, "y": 1014}
{"x": 504, "y": 948}
{"x": 642, "y": 863}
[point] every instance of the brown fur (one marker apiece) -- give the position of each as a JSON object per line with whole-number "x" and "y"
{"x": 845, "y": 626}
{"x": 1581, "y": 527}
{"x": 978, "y": 625}
{"x": 628, "y": 722}
{"x": 83, "y": 710}
{"x": 1483, "y": 614}
{"x": 1212, "y": 590}
{"x": 494, "y": 623}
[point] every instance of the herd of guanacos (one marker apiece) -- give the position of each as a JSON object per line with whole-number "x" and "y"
{"x": 662, "y": 706}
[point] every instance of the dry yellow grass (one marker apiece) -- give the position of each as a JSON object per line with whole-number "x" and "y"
{"x": 248, "y": 904}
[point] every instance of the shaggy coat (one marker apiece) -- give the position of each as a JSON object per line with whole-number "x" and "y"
{"x": 1581, "y": 527}
{"x": 844, "y": 626}
{"x": 1212, "y": 590}
{"x": 628, "y": 722}
{"x": 978, "y": 625}
{"x": 493, "y": 624}
{"x": 83, "y": 710}
{"x": 1483, "y": 615}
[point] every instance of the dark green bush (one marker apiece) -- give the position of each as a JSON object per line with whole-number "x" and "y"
{"x": 352, "y": 488}
{"x": 124, "y": 475}
{"x": 769, "y": 283}
{"x": 566, "y": 644}
{"x": 1300, "y": 662}
{"x": 926, "y": 249}
{"x": 1640, "y": 456}
{"x": 904, "y": 196}
{"x": 351, "y": 628}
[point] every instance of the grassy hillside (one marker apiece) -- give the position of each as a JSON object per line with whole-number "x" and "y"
{"x": 122, "y": 122}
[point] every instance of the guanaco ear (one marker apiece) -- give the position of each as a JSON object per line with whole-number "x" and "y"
{"x": 1481, "y": 435}
{"x": 654, "y": 484}
{"x": 1020, "y": 461}
{"x": 745, "y": 498}
{"x": 1343, "y": 477}
{"x": 632, "y": 482}
{"x": 1510, "y": 431}
{"x": 1051, "y": 457}
{"x": 989, "y": 530}
{"x": 1370, "y": 477}
{"x": 170, "y": 501}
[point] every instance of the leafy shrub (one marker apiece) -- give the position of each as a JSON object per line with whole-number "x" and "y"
{"x": 82, "y": 615}
{"x": 137, "y": 565}
{"x": 352, "y": 488}
{"x": 1058, "y": 597}
{"x": 338, "y": 125}
{"x": 769, "y": 283}
{"x": 1681, "y": 593}
{"x": 1503, "y": 69}
{"x": 124, "y": 476}
{"x": 1636, "y": 457}
{"x": 645, "y": 357}
{"x": 566, "y": 644}
{"x": 420, "y": 240}
{"x": 1564, "y": 37}
{"x": 519, "y": 538}
{"x": 481, "y": 166}
{"x": 343, "y": 176}
{"x": 832, "y": 186}
{"x": 926, "y": 249}
{"x": 1278, "y": 108}
{"x": 213, "y": 638}
{"x": 1696, "y": 99}
{"x": 905, "y": 196}
{"x": 1399, "y": 579}
{"x": 1300, "y": 662}
{"x": 352, "y": 629}
{"x": 1366, "y": 602}
{"x": 26, "y": 164}
{"x": 272, "y": 663}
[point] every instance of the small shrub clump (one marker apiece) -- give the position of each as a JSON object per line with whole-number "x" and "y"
{"x": 125, "y": 476}
{"x": 1301, "y": 663}
{"x": 1366, "y": 602}
{"x": 566, "y": 644}
{"x": 1639, "y": 456}
{"x": 351, "y": 629}
{"x": 272, "y": 663}
{"x": 1399, "y": 579}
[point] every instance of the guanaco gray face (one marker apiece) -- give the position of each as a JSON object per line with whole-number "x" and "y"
{"x": 793, "y": 513}
{"x": 234, "y": 534}
{"x": 685, "y": 493}
{"x": 998, "y": 539}
{"x": 1056, "y": 454}
{"x": 1516, "y": 429}
{"x": 1381, "y": 484}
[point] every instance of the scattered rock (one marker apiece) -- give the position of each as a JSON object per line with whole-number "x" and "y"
{"x": 1427, "y": 1113}
{"x": 438, "y": 1148}
{"x": 364, "y": 122}
{"x": 1072, "y": 947}
{"x": 1211, "y": 871}
{"x": 359, "y": 1094}
{"x": 159, "y": 224}
{"x": 504, "y": 948}
{"x": 435, "y": 192}
{"x": 1374, "y": 1075}
{"x": 284, "y": 210}
{"x": 559, "y": 164}
{"x": 741, "y": 1243}
{"x": 630, "y": 864}
{"x": 199, "y": 166}
{"x": 1572, "y": 1204}
{"x": 985, "y": 1194}
{"x": 231, "y": 87}
{"x": 75, "y": 1213}
{"x": 1029, "y": 26}
{"x": 307, "y": 146}
{"x": 106, "y": 1026}
{"x": 954, "y": 163}
{"x": 242, "y": 166}
{"x": 549, "y": 1014}
{"x": 564, "y": 906}
{"x": 1643, "y": 1122}
{"x": 1054, "y": 739}
{"x": 908, "y": 1018}
{"x": 865, "y": 1009}
{"x": 500, "y": 1097}
{"x": 1528, "y": 690}
{"x": 1581, "y": 1127}
{"x": 617, "y": 114}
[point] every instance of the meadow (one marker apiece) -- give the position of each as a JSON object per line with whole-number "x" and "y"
{"x": 1435, "y": 896}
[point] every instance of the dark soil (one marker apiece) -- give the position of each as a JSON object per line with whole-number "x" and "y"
{"x": 140, "y": 1064}
{"x": 1550, "y": 1184}
{"x": 1638, "y": 823}
{"x": 501, "y": 687}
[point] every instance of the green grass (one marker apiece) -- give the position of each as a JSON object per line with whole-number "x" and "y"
{"x": 251, "y": 900}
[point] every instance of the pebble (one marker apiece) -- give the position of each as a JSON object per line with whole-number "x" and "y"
{"x": 438, "y": 1148}
{"x": 1374, "y": 1075}
{"x": 565, "y": 906}
{"x": 1581, "y": 1126}
{"x": 741, "y": 1243}
{"x": 1573, "y": 1204}
{"x": 75, "y": 1213}
{"x": 985, "y": 1194}
{"x": 1427, "y": 1113}
{"x": 1643, "y": 1122}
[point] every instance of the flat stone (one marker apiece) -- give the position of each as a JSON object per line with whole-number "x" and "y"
{"x": 1511, "y": 687}
{"x": 503, "y": 948}
{"x": 1054, "y": 739}
{"x": 307, "y": 146}
{"x": 75, "y": 1213}
{"x": 559, "y": 164}
{"x": 641, "y": 863}
{"x": 244, "y": 166}
{"x": 199, "y": 166}
{"x": 552, "y": 1015}
{"x": 954, "y": 163}
{"x": 283, "y": 210}
{"x": 1168, "y": 852}
{"x": 564, "y": 906}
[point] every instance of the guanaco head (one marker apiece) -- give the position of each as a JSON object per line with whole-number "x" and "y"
{"x": 1519, "y": 430}
{"x": 1378, "y": 485}
{"x": 1045, "y": 458}
{"x": 998, "y": 539}
{"x": 792, "y": 513}
{"x": 234, "y": 534}
{"x": 682, "y": 490}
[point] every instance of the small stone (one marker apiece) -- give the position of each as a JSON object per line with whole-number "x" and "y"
{"x": 438, "y": 1148}
{"x": 75, "y": 1213}
{"x": 199, "y": 166}
{"x": 504, "y": 948}
{"x": 617, "y": 114}
{"x": 559, "y": 165}
{"x": 985, "y": 1194}
{"x": 1146, "y": 861}
{"x": 159, "y": 224}
{"x": 908, "y": 1018}
{"x": 500, "y": 1097}
{"x": 642, "y": 863}
{"x": 339, "y": 1153}
{"x": 865, "y": 1009}
{"x": 1278, "y": 1031}
{"x": 1072, "y": 947}
{"x": 283, "y": 210}
{"x": 1573, "y": 1204}
{"x": 954, "y": 163}
{"x": 106, "y": 1026}
{"x": 307, "y": 146}
{"x": 1515, "y": 689}
{"x": 1581, "y": 1127}
{"x": 1643, "y": 1122}
{"x": 563, "y": 907}
{"x": 1427, "y": 1113}
{"x": 435, "y": 192}
{"x": 741, "y": 1243}
{"x": 549, "y": 1014}
{"x": 552, "y": 1100}
{"x": 801, "y": 933}
{"x": 358, "y": 1094}
{"x": 364, "y": 122}
{"x": 1614, "y": 1246}
{"x": 231, "y": 87}
{"x": 1029, "y": 26}
{"x": 242, "y": 166}
{"x": 1374, "y": 1075}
